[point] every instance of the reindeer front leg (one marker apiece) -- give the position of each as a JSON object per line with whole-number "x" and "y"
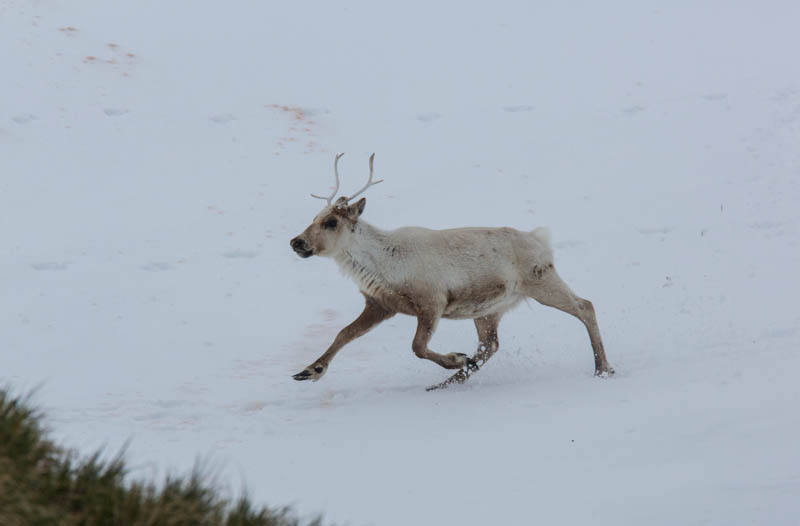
{"x": 373, "y": 314}
{"x": 426, "y": 324}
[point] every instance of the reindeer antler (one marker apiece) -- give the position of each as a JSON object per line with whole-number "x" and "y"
{"x": 369, "y": 181}
{"x": 336, "y": 173}
{"x": 336, "y": 189}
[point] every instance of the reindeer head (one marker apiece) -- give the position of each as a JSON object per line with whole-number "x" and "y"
{"x": 329, "y": 231}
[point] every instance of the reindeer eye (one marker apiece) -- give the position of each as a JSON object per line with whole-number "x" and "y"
{"x": 330, "y": 224}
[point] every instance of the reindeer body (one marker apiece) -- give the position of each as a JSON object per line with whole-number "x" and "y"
{"x": 462, "y": 273}
{"x": 467, "y": 272}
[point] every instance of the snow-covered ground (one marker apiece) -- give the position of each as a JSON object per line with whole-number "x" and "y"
{"x": 156, "y": 158}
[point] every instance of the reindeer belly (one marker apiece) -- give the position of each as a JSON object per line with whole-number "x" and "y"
{"x": 480, "y": 299}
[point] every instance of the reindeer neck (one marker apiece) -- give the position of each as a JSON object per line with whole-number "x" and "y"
{"x": 364, "y": 259}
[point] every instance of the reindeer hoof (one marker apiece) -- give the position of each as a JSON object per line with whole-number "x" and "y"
{"x": 313, "y": 373}
{"x": 605, "y": 373}
{"x": 464, "y": 362}
{"x": 472, "y": 365}
{"x": 459, "y": 360}
{"x": 303, "y": 375}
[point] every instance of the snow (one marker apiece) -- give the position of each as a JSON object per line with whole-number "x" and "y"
{"x": 157, "y": 158}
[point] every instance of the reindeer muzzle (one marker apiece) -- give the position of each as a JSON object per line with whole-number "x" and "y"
{"x": 300, "y": 247}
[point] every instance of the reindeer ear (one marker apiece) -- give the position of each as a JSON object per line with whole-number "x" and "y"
{"x": 355, "y": 210}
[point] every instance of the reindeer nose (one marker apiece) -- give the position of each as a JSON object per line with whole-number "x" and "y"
{"x": 298, "y": 243}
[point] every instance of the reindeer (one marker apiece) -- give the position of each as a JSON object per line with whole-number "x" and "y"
{"x": 462, "y": 273}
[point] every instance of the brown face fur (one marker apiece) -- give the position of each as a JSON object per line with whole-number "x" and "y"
{"x": 331, "y": 225}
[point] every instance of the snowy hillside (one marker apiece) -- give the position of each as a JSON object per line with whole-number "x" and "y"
{"x": 157, "y": 157}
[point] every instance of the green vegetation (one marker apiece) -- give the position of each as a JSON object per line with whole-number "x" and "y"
{"x": 43, "y": 484}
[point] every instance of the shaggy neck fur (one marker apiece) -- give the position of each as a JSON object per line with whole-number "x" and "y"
{"x": 364, "y": 258}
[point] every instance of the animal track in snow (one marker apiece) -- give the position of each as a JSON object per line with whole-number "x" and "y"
{"x": 429, "y": 117}
{"x": 244, "y": 369}
{"x": 50, "y": 266}
{"x": 223, "y": 118}
{"x": 766, "y": 225}
{"x": 329, "y": 314}
{"x": 769, "y": 229}
{"x": 251, "y": 407}
{"x": 779, "y": 332}
{"x": 114, "y": 56}
{"x": 23, "y": 118}
{"x": 115, "y": 112}
{"x": 518, "y": 108}
{"x": 657, "y": 230}
{"x": 156, "y": 266}
{"x": 240, "y": 254}
{"x": 111, "y": 54}
{"x": 633, "y": 110}
{"x": 301, "y": 128}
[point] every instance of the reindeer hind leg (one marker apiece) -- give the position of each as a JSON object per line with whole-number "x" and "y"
{"x": 488, "y": 344}
{"x": 549, "y": 289}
